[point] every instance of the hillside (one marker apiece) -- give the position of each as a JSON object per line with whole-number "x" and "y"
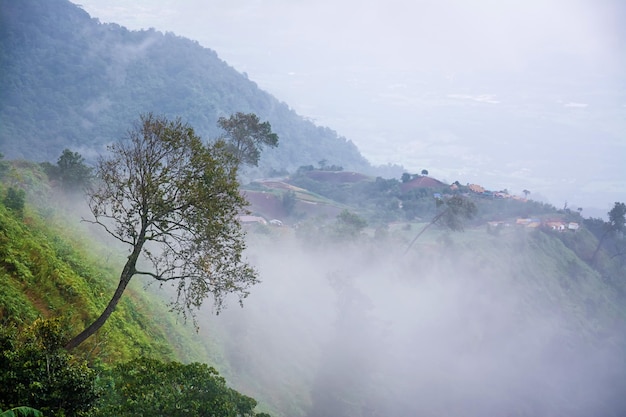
{"x": 474, "y": 323}
{"x": 516, "y": 310}
{"x": 475, "y": 317}
{"x": 51, "y": 267}
{"x": 68, "y": 81}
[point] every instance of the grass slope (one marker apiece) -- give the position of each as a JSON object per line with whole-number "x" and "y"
{"x": 50, "y": 269}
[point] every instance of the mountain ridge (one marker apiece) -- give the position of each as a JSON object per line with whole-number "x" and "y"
{"x": 69, "y": 81}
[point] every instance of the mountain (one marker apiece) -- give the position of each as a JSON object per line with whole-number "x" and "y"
{"x": 69, "y": 81}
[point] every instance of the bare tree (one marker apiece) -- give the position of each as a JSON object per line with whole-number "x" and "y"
{"x": 174, "y": 201}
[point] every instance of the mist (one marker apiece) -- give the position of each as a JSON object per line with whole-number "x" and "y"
{"x": 360, "y": 330}
{"x": 515, "y": 95}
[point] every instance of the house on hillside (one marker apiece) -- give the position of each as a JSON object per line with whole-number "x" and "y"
{"x": 573, "y": 226}
{"x": 555, "y": 225}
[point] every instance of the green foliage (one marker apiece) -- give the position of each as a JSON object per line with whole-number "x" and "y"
{"x": 246, "y": 136}
{"x": 150, "y": 387}
{"x": 70, "y": 171}
{"x": 173, "y": 201}
{"x": 51, "y": 266}
{"x": 349, "y": 225}
{"x": 15, "y": 200}
{"x": 21, "y": 412}
{"x": 4, "y": 167}
{"x": 617, "y": 219}
{"x": 615, "y": 226}
{"x": 37, "y": 371}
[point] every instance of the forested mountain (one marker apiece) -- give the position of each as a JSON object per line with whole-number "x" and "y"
{"x": 69, "y": 81}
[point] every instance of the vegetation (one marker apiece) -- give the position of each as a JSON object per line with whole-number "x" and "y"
{"x": 246, "y": 136}
{"x": 49, "y": 268}
{"x": 101, "y": 76}
{"x": 38, "y": 371}
{"x": 150, "y": 387}
{"x": 616, "y": 224}
{"x": 70, "y": 171}
{"x": 499, "y": 320}
{"x": 21, "y": 412}
{"x": 455, "y": 211}
{"x": 175, "y": 201}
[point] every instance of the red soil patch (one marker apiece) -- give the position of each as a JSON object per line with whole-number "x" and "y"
{"x": 421, "y": 182}
{"x": 266, "y": 204}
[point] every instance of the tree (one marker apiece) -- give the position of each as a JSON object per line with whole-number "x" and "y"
{"x": 526, "y": 192}
{"x": 4, "y": 167}
{"x": 617, "y": 217}
{"x": 246, "y": 136}
{"x": 406, "y": 177}
{"x": 175, "y": 202}
{"x": 15, "y": 200}
{"x": 72, "y": 172}
{"x": 289, "y": 201}
{"x": 455, "y": 210}
{"x": 152, "y": 388}
{"x": 616, "y": 223}
{"x": 424, "y": 172}
{"x": 349, "y": 224}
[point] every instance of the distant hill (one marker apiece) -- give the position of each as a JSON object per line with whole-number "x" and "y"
{"x": 69, "y": 81}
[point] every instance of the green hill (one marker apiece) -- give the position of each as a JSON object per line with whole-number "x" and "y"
{"x": 69, "y": 81}
{"x": 50, "y": 267}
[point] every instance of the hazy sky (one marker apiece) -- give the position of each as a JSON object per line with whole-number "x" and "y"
{"x": 510, "y": 94}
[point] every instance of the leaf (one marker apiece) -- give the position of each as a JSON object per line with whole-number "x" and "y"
{"x": 22, "y": 412}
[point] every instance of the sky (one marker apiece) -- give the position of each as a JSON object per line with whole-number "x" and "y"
{"x": 509, "y": 94}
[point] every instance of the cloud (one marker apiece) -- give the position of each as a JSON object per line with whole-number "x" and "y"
{"x": 481, "y": 98}
{"x": 576, "y": 105}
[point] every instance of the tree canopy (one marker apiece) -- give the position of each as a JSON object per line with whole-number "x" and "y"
{"x": 38, "y": 372}
{"x": 150, "y": 387}
{"x": 246, "y": 136}
{"x": 70, "y": 171}
{"x": 175, "y": 202}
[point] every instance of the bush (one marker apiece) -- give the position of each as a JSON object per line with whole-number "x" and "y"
{"x": 37, "y": 371}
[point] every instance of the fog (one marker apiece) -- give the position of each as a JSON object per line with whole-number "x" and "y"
{"x": 517, "y": 95}
{"x": 361, "y": 330}
{"x": 458, "y": 326}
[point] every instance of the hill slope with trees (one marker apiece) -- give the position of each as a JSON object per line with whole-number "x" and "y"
{"x": 69, "y": 81}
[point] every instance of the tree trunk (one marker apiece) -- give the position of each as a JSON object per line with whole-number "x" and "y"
{"x": 595, "y": 253}
{"x": 127, "y": 273}
{"x": 437, "y": 217}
